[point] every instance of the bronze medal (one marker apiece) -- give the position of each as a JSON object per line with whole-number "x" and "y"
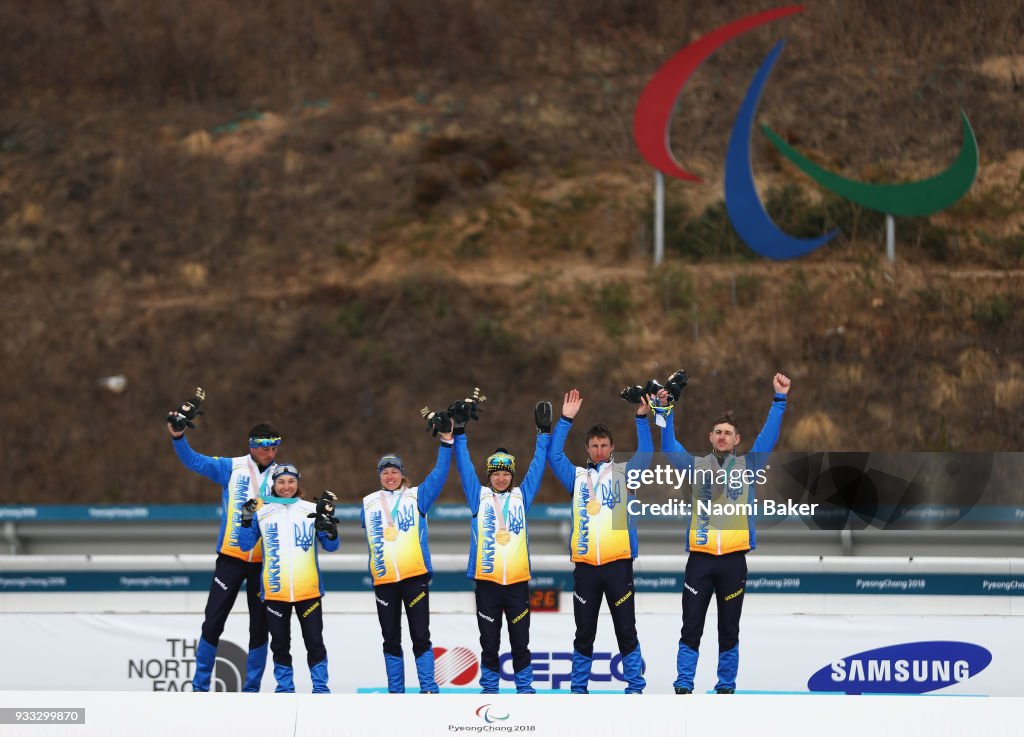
{"x": 390, "y": 533}
{"x": 502, "y": 537}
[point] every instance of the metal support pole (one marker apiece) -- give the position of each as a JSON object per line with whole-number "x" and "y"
{"x": 659, "y": 218}
{"x": 890, "y": 238}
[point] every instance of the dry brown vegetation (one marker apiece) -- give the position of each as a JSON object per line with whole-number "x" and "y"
{"x": 333, "y": 213}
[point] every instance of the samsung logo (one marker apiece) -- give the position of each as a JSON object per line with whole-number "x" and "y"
{"x": 908, "y": 668}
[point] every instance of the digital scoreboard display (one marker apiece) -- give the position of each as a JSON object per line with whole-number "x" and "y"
{"x": 544, "y": 599}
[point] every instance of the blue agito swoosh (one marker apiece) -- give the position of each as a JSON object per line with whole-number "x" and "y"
{"x": 747, "y": 212}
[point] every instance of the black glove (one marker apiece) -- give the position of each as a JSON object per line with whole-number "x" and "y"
{"x": 182, "y": 416}
{"x": 633, "y": 394}
{"x": 676, "y": 383}
{"x": 542, "y": 416}
{"x": 249, "y": 511}
{"x": 327, "y": 524}
{"x": 437, "y": 422}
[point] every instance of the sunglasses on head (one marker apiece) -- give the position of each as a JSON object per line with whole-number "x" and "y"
{"x": 264, "y": 442}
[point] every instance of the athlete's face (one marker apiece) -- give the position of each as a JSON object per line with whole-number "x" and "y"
{"x": 600, "y": 449}
{"x": 264, "y": 456}
{"x": 501, "y": 480}
{"x": 286, "y": 486}
{"x": 724, "y": 438}
{"x": 390, "y": 478}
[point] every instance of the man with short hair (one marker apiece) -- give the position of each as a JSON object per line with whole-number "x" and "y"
{"x": 603, "y": 541}
{"x": 718, "y": 543}
{"x": 241, "y": 478}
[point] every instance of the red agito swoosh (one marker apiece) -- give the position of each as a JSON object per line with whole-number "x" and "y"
{"x": 658, "y": 100}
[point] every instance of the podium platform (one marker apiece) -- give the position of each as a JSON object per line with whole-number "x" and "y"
{"x": 113, "y": 714}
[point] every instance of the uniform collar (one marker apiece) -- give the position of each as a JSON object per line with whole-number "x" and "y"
{"x": 722, "y": 458}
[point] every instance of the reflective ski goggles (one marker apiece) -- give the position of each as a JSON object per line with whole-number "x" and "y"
{"x": 501, "y": 462}
{"x": 390, "y": 461}
{"x": 264, "y": 442}
{"x": 286, "y": 469}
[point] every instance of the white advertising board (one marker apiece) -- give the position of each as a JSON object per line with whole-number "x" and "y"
{"x": 956, "y": 655}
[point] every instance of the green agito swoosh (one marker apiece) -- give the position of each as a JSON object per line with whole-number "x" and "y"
{"x": 908, "y": 199}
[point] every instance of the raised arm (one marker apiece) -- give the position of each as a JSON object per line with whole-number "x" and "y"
{"x": 769, "y": 434}
{"x": 531, "y": 482}
{"x": 218, "y": 470}
{"x": 467, "y": 474}
{"x": 644, "y": 445}
{"x": 431, "y": 487}
{"x": 564, "y": 471}
{"x": 677, "y": 455}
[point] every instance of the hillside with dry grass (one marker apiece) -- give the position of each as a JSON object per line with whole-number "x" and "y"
{"x": 330, "y": 214}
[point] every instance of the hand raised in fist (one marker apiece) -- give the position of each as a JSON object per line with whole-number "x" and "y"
{"x": 781, "y": 382}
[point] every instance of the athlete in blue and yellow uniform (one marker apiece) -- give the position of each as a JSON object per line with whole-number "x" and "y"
{"x": 241, "y": 479}
{"x": 395, "y": 519}
{"x": 603, "y": 541}
{"x": 718, "y": 544}
{"x": 499, "y": 553}
{"x": 290, "y": 577}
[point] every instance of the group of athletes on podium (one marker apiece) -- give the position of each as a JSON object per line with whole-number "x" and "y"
{"x": 269, "y": 535}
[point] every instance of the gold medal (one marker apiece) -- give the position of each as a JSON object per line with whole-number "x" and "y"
{"x": 390, "y": 533}
{"x": 502, "y": 537}
{"x": 593, "y": 507}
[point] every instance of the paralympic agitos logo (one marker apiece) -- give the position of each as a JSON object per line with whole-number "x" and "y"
{"x": 746, "y": 211}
